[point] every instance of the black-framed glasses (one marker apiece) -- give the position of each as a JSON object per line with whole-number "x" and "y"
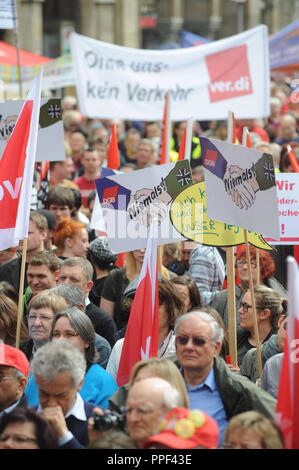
{"x": 246, "y": 306}
{"x": 197, "y": 341}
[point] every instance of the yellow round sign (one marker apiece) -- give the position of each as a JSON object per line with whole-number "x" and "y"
{"x": 188, "y": 214}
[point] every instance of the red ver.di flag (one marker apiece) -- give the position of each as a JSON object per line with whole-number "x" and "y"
{"x": 16, "y": 171}
{"x": 142, "y": 333}
{"x": 287, "y": 411}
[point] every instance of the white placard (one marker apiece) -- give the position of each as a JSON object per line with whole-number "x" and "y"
{"x": 115, "y": 81}
{"x": 240, "y": 186}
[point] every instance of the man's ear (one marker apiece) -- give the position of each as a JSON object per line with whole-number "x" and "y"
{"x": 89, "y": 285}
{"x": 80, "y": 385}
{"x": 218, "y": 347}
{"x": 22, "y": 381}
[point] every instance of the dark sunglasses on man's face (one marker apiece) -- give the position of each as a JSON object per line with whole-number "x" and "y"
{"x": 196, "y": 340}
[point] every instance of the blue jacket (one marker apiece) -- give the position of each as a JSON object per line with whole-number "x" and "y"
{"x": 97, "y": 388}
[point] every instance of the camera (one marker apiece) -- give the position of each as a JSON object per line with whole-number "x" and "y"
{"x": 110, "y": 420}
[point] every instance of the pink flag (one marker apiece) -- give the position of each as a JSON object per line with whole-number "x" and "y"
{"x": 16, "y": 171}
{"x": 142, "y": 334}
{"x": 287, "y": 411}
{"x": 113, "y": 161}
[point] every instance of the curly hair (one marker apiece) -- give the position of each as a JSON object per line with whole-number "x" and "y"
{"x": 67, "y": 228}
{"x": 267, "y": 265}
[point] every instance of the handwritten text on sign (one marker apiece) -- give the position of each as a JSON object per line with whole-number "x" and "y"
{"x": 287, "y": 185}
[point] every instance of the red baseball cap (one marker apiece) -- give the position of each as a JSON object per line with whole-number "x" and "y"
{"x": 13, "y": 357}
{"x": 186, "y": 429}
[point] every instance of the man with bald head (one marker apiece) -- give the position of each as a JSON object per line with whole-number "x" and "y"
{"x": 148, "y": 401}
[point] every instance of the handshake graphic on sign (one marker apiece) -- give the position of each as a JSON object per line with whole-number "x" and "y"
{"x": 241, "y": 185}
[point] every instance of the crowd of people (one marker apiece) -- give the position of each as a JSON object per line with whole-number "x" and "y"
{"x": 58, "y": 387}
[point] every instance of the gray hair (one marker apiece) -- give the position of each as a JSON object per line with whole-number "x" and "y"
{"x": 85, "y": 265}
{"x": 171, "y": 397}
{"x": 83, "y": 327}
{"x": 73, "y": 295}
{"x": 58, "y": 357}
{"x": 217, "y": 332}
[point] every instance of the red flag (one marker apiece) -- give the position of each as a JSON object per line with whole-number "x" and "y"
{"x": 113, "y": 160}
{"x": 232, "y": 128}
{"x": 182, "y": 146}
{"x": 16, "y": 171}
{"x": 142, "y": 333}
{"x": 293, "y": 159}
{"x": 164, "y": 157}
{"x": 287, "y": 411}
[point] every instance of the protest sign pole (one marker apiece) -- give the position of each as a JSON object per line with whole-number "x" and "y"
{"x": 21, "y": 291}
{"x": 168, "y": 128}
{"x": 256, "y": 331}
{"x": 231, "y": 275}
{"x": 188, "y": 138}
{"x": 247, "y": 142}
{"x": 245, "y": 138}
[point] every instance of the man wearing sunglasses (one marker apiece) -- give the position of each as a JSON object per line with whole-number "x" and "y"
{"x": 211, "y": 385}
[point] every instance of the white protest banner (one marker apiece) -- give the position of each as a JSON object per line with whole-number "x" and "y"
{"x": 287, "y": 185}
{"x": 50, "y": 139}
{"x": 131, "y": 201}
{"x": 115, "y": 81}
{"x": 240, "y": 186}
{"x": 8, "y": 14}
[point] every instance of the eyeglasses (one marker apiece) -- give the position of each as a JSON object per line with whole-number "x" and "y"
{"x": 245, "y": 307}
{"x": 3, "y": 377}
{"x": 17, "y": 439}
{"x": 242, "y": 262}
{"x": 42, "y": 318}
{"x": 197, "y": 341}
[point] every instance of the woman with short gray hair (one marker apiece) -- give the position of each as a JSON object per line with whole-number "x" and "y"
{"x": 75, "y": 327}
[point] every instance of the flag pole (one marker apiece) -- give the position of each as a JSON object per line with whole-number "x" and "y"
{"x": 16, "y": 31}
{"x": 247, "y": 142}
{"x": 231, "y": 276}
{"x": 21, "y": 291}
{"x": 168, "y": 127}
{"x": 188, "y": 138}
{"x": 256, "y": 331}
{"x": 245, "y": 138}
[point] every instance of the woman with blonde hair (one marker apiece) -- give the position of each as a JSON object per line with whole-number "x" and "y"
{"x": 116, "y": 282}
{"x": 252, "y": 430}
{"x": 151, "y": 367}
{"x": 269, "y": 308}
